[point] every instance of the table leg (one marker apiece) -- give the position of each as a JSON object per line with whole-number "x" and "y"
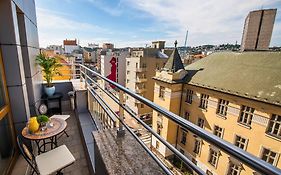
{"x": 38, "y": 146}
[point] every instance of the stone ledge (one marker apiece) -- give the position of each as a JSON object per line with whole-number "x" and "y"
{"x": 117, "y": 156}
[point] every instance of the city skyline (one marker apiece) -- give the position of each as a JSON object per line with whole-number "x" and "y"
{"x": 136, "y": 23}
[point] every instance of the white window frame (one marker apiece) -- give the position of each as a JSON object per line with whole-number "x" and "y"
{"x": 239, "y": 143}
{"x": 213, "y": 157}
{"x": 222, "y": 107}
{"x": 234, "y": 164}
{"x": 221, "y": 132}
{"x": 275, "y": 159}
{"x": 273, "y": 124}
{"x": 204, "y": 101}
{"x": 246, "y": 115}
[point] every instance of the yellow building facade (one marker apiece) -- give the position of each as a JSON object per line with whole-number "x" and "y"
{"x": 235, "y": 96}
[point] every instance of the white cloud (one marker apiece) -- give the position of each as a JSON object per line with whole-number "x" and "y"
{"x": 208, "y": 22}
{"x": 212, "y": 21}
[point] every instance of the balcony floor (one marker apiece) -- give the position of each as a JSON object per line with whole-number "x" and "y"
{"x": 74, "y": 144}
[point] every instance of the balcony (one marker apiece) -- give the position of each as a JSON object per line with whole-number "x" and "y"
{"x": 140, "y": 90}
{"x": 141, "y": 80}
{"x": 102, "y": 129}
{"x": 100, "y": 139}
{"x": 140, "y": 69}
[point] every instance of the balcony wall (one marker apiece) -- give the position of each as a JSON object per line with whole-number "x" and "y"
{"x": 19, "y": 47}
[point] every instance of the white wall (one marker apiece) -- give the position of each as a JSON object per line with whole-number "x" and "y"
{"x": 70, "y": 48}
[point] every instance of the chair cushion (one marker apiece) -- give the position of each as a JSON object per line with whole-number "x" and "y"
{"x": 63, "y": 117}
{"x": 54, "y": 160}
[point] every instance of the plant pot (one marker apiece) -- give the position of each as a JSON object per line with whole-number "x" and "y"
{"x": 50, "y": 90}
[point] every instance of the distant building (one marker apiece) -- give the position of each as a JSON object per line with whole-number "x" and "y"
{"x": 236, "y": 96}
{"x": 57, "y": 49}
{"x": 258, "y": 30}
{"x": 113, "y": 65}
{"x": 106, "y": 46}
{"x": 90, "y": 54}
{"x": 141, "y": 66}
{"x": 93, "y": 45}
{"x": 70, "y": 45}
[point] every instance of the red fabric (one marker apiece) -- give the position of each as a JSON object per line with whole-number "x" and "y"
{"x": 112, "y": 76}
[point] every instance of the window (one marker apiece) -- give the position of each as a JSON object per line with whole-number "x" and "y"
{"x": 128, "y": 72}
{"x": 142, "y": 105}
{"x": 197, "y": 146}
{"x": 183, "y": 137}
{"x": 159, "y": 123}
{"x": 233, "y": 169}
{"x": 186, "y": 115}
{"x": 222, "y": 108}
{"x": 240, "y": 142}
{"x": 128, "y": 63}
{"x": 269, "y": 156}
{"x": 214, "y": 157}
{"x": 201, "y": 122}
{"x": 157, "y": 145}
{"x": 208, "y": 172}
{"x": 189, "y": 94}
{"x": 159, "y": 129}
{"x": 218, "y": 131}
{"x": 137, "y": 65}
{"x": 204, "y": 101}
{"x": 274, "y": 127}
{"x": 128, "y": 81}
{"x": 161, "y": 92}
{"x": 246, "y": 115}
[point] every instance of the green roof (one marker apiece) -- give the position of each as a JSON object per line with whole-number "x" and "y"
{"x": 174, "y": 62}
{"x": 254, "y": 75}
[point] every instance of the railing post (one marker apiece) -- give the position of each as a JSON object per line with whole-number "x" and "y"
{"x": 80, "y": 71}
{"x": 121, "y": 130}
{"x": 86, "y": 78}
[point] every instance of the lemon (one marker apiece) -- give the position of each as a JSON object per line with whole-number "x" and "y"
{"x": 33, "y": 124}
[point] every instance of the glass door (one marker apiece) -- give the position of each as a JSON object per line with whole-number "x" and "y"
{"x": 7, "y": 134}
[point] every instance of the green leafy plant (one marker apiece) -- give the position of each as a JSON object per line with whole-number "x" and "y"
{"x": 49, "y": 67}
{"x": 42, "y": 119}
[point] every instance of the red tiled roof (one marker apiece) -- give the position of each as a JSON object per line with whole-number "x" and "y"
{"x": 69, "y": 42}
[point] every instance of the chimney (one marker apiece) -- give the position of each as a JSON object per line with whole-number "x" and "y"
{"x": 258, "y": 30}
{"x": 158, "y": 44}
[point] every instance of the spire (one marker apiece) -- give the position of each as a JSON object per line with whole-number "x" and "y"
{"x": 174, "y": 62}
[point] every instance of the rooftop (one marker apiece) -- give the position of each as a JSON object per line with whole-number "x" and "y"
{"x": 257, "y": 72}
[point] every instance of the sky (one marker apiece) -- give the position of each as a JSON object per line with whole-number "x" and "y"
{"x": 135, "y": 23}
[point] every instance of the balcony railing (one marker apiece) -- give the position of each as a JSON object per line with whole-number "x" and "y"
{"x": 107, "y": 118}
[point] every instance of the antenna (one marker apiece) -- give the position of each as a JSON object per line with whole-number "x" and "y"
{"x": 186, "y": 39}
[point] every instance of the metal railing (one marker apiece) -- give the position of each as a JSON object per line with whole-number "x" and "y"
{"x": 244, "y": 157}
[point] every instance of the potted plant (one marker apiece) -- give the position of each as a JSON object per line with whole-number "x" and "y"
{"x": 49, "y": 67}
